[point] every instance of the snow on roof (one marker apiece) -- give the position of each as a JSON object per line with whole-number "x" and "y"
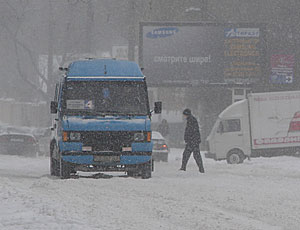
{"x": 157, "y": 136}
{"x": 22, "y": 102}
{"x": 17, "y": 133}
{"x": 236, "y": 109}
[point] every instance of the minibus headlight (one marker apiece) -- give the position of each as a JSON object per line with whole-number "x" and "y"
{"x": 139, "y": 137}
{"x": 74, "y": 136}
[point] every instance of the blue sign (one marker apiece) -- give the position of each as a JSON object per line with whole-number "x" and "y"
{"x": 281, "y": 77}
{"x": 241, "y": 32}
{"x": 162, "y": 32}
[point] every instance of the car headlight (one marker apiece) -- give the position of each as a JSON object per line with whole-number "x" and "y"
{"x": 74, "y": 136}
{"x": 139, "y": 137}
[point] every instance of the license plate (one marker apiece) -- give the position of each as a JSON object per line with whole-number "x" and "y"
{"x": 126, "y": 149}
{"x": 107, "y": 158}
{"x": 86, "y": 148}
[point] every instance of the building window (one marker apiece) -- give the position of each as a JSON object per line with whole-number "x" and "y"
{"x": 239, "y": 92}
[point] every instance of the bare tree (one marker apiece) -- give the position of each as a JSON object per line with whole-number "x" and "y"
{"x": 12, "y": 22}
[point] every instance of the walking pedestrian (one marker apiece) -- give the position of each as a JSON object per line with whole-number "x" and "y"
{"x": 192, "y": 139}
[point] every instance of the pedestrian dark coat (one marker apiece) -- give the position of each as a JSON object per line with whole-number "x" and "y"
{"x": 192, "y": 132}
{"x": 192, "y": 139}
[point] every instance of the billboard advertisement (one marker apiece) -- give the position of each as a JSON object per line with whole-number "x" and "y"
{"x": 201, "y": 52}
{"x": 282, "y": 69}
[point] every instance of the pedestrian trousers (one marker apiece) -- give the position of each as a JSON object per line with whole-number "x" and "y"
{"x": 189, "y": 149}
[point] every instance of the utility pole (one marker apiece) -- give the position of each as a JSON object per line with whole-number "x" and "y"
{"x": 131, "y": 30}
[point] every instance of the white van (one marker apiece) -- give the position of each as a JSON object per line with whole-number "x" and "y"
{"x": 265, "y": 124}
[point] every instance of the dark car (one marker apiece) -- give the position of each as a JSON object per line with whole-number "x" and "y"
{"x": 18, "y": 144}
{"x": 160, "y": 150}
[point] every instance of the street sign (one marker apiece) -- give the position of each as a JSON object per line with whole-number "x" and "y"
{"x": 282, "y": 69}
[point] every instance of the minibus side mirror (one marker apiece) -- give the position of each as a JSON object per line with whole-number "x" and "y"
{"x": 157, "y": 107}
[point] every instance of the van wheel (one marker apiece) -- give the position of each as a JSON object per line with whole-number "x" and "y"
{"x": 235, "y": 157}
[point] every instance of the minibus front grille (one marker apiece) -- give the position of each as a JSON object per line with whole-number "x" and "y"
{"x": 107, "y": 141}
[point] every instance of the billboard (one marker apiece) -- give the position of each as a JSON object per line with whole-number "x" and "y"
{"x": 202, "y": 52}
{"x": 282, "y": 69}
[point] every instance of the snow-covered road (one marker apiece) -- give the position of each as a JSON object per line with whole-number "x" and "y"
{"x": 263, "y": 193}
